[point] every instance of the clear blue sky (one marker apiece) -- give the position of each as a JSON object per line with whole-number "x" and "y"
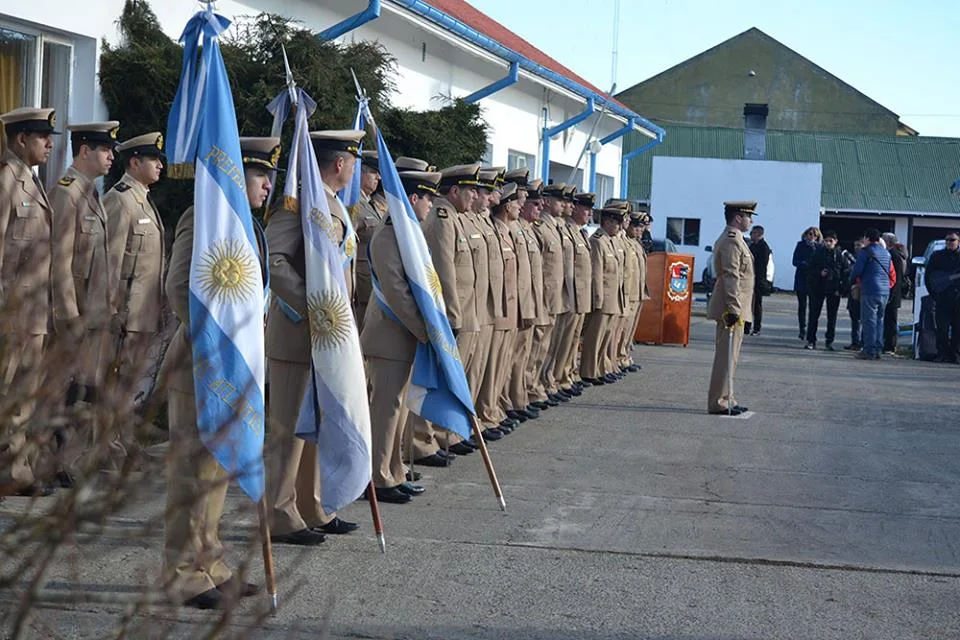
{"x": 904, "y": 55}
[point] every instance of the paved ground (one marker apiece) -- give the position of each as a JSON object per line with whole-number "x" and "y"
{"x": 830, "y": 513}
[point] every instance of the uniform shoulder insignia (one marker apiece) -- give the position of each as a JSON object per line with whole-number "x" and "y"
{"x": 731, "y": 234}
{"x": 121, "y": 186}
{"x": 537, "y": 223}
{"x": 66, "y": 181}
{"x": 442, "y": 212}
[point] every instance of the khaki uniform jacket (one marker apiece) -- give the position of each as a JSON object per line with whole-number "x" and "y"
{"x": 176, "y": 370}
{"x": 582, "y": 270}
{"x": 534, "y": 252}
{"x": 26, "y": 218}
{"x": 447, "y": 239}
{"x": 510, "y": 303}
{"x": 384, "y": 337}
{"x": 733, "y": 264}
{"x": 477, "y": 241}
{"x": 607, "y": 274}
{"x": 620, "y": 242}
{"x": 286, "y": 339}
{"x": 569, "y": 287}
{"x": 525, "y": 299}
{"x": 135, "y": 238}
{"x": 631, "y": 275}
{"x": 495, "y": 259}
{"x": 642, "y": 255}
{"x": 367, "y": 220}
{"x": 551, "y": 249}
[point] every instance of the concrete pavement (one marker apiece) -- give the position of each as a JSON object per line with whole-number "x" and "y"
{"x": 830, "y": 513}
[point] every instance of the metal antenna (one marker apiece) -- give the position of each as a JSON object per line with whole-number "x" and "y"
{"x": 616, "y": 43}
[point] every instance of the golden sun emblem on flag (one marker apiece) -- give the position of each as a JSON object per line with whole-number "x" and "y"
{"x": 330, "y": 319}
{"x": 350, "y": 246}
{"x": 229, "y": 272}
{"x": 433, "y": 282}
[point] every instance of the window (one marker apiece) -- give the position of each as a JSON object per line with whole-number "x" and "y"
{"x": 18, "y": 53}
{"x": 604, "y": 188}
{"x": 519, "y": 160}
{"x": 487, "y": 157}
{"x": 684, "y": 231}
{"x": 755, "y": 131}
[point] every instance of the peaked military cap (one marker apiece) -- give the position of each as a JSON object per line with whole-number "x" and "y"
{"x": 370, "y": 159}
{"x": 461, "y": 174}
{"x": 95, "y": 133}
{"x": 636, "y": 219}
{"x": 569, "y": 192}
{"x": 612, "y": 212}
{"x": 519, "y": 177}
{"x": 405, "y": 163}
{"x": 30, "y": 120}
{"x": 148, "y": 144}
{"x": 489, "y": 175}
{"x": 585, "y": 199}
{"x": 260, "y": 152}
{"x": 740, "y": 206}
{"x": 554, "y": 190}
{"x": 420, "y": 182}
{"x": 510, "y": 192}
{"x": 338, "y": 140}
{"x": 535, "y": 189}
{"x": 617, "y": 203}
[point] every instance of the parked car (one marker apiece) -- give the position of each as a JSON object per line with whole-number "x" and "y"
{"x": 709, "y": 276}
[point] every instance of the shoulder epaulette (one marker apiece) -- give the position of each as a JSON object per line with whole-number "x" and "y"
{"x": 442, "y": 212}
{"x": 121, "y": 186}
{"x": 598, "y": 233}
{"x": 731, "y": 234}
{"x": 66, "y": 181}
{"x": 537, "y": 223}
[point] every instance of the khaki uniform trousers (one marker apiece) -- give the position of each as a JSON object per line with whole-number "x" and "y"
{"x": 516, "y": 388}
{"x": 564, "y": 369}
{"x": 426, "y": 440}
{"x": 596, "y": 338}
{"x": 293, "y": 481}
{"x": 22, "y": 359}
{"x": 134, "y": 382}
{"x": 721, "y": 396}
{"x": 557, "y": 354}
{"x": 542, "y": 335}
{"x": 617, "y": 323}
{"x": 626, "y": 335}
{"x": 388, "y": 380}
{"x": 196, "y": 492}
{"x": 488, "y": 406}
{"x": 512, "y": 348}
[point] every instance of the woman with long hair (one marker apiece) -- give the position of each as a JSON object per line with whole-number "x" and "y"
{"x": 802, "y": 254}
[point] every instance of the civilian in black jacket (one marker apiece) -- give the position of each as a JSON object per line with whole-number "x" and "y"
{"x": 828, "y": 274}
{"x": 891, "y": 325}
{"x": 801, "y": 260}
{"x": 946, "y": 262}
{"x": 761, "y": 257}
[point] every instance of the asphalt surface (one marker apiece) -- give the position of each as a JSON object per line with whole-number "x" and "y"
{"x": 831, "y": 512}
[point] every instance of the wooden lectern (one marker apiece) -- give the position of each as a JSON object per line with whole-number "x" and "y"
{"x": 665, "y": 317}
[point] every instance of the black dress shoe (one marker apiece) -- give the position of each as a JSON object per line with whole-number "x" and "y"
{"x": 410, "y": 489}
{"x": 35, "y": 491}
{"x": 304, "y": 538}
{"x": 505, "y": 429}
{"x": 572, "y": 391}
{"x": 445, "y": 453}
{"x": 492, "y": 435}
{"x": 540, "y": 405}
{"x": 563, "y": 393}
{"x": 594, "y": 382}
{"x": 610, "y": 378}
{"x": 209, "y": 599}
{"x": 510, "y": 423}
{"x": 470, "y": 442}
{"x": 633, "y": 368}
{"x": 519, "y": 416}
{"x": 393, "y": 495}
{"x": 243, "y": 589}
{"x": 461, "y": 449}
{"x": 532, "y": 413}
{"x": 740, "y": 408}
{"x": 434, "y": 460}
{"x": 413, "y": 476}
{"x": 585, "y": 382}
{"x": 337, "y": 527}
{"x": 558, "y": 398}
{"x": 729, "y": 412}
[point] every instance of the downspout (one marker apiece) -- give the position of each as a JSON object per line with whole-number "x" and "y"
{"x": 619, "y": 133}
{"x": 347, "y": 25}
{"x": 627, "y": 157}
{"x": 512, "y": 77}
{"x": 548, "y": 132}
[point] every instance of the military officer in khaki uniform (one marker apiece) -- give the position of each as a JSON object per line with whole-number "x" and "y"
{"x": 533, "y": 312}
{"x": 196, "y": 483}
{"x": 731, "y": 304}
{"x": 608, "y": 299}
{"x": 84, "y": 301}
{"x": 566, "y": 319}
{"x": 503, "y": 214}
{"x": 551, "y": 246}
{"x": 293, "y": 487}
{"x": 565, "y": 371}
{"x": 389, "y": 344}
{"x": 370, "y": 212}
{"x": 26, "y": 286}
{"x": 447, "y": 231}
{"x": 135, "y": 240}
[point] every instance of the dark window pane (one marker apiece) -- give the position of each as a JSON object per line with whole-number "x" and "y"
{"x": 691, "y": 232}
{"x": 675, "y": 229}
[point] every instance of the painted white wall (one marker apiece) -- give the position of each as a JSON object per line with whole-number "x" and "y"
{"x": 787, "y": 196}
{"x": 431, "y": 65}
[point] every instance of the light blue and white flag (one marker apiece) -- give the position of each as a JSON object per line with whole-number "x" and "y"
{"x": 226, "y": 282}
{"x": 350, "y": 196}
{"x": 438, "y": 389}
{"x": 335, "y": 413}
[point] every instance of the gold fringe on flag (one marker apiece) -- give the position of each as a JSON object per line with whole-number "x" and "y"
{"x": 183, "y": 171}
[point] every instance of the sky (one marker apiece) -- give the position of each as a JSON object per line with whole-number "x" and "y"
{"x": 904, "y": 55}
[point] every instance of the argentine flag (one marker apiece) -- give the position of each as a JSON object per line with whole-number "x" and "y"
{"x": 335, "y": 412}
{"x": 438, "y": 389}
{"x": 350, "y": 196}
{"x": 226, "y": 282}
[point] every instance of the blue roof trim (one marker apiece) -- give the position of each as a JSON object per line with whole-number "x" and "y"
{"x": 345, "y": 26}
{"x": 486, "y": 43}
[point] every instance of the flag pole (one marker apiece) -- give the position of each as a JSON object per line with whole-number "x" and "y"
{"x": 730, "y": 372}
{"x": 268, "y": 566}
{"x": 375, "y": 512}
{"x": 481, "y": 443}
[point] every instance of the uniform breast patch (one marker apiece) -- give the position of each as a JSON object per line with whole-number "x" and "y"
{"x": 143, "y": 221}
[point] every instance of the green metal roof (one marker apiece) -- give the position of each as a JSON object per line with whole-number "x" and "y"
{"x": 872, "y": 173}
